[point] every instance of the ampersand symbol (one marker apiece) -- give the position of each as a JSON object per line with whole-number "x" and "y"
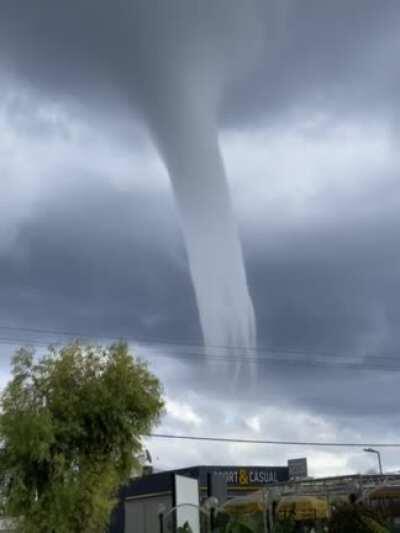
{"x": 243, "y": 477}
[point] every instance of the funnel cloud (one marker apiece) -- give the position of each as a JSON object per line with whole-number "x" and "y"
{"x": 307, "y": 119}
{"x": 192, "y": 155}
{"x": 183, "y": 57}
{"x": 196, "y": 62}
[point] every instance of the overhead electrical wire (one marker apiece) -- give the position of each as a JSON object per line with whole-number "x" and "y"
{"x": 201, "y": 354}
{"x": 168, "y": 342}
{"x": 379, "y": 364}
{"x": 277, "y": 442}
{"x": 279, "y": 357}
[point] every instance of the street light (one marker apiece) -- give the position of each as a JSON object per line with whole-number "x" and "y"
{"x": 371, "y": 450}
{"x": 210, "y": 506}
{"x": 163, "y": 512}
{"x": 162, "y": 509}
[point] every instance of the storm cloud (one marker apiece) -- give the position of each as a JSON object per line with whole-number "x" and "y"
{"x": 90, "y": 239}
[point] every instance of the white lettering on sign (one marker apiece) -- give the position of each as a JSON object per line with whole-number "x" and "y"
{"x": 262, "y": 476}
{"x": 246, "y": 476}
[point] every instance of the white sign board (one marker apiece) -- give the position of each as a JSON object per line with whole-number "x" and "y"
{"x": 187, "y": 500}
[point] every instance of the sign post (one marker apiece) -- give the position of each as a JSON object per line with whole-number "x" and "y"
{"x": 187, "y": 502}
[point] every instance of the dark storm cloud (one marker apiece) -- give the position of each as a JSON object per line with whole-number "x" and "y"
{"x": 327, "y": 291}
{"x": 335, "y": 280}
{"x": 122, "y": 48}
{"x": 336, "y": 56}
{"x": 94, "y": 259}
{"x": 330, "y": 54}
{"x": 100, "y": 262}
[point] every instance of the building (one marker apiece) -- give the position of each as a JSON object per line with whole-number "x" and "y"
{"x": 141, "y": 499}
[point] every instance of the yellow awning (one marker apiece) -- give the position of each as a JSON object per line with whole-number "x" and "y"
{"x": 385, "y": 492}
{"x": 303, "y": 508}
{"x": 252, "y": 503}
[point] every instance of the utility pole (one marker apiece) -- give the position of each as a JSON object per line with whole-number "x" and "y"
{"x": 371, "y": 450}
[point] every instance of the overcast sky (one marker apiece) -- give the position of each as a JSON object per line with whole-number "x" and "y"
{"x": 90, "y": 237}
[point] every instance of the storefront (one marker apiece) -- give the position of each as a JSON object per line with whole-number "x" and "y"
{"x": 142, "y": 498}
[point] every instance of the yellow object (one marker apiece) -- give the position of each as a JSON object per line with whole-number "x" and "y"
{"x": 303, "y": 508}
{"x": 385, "y": 492}
{"x": 254, "y": 503}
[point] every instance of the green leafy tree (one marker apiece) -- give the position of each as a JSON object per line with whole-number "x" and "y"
{"x": 357, "y": 519}
{"x": 239, "y": 527}
{"x": 287, "y": 525}
{"x": 234, "y": 525}
{"x": 70, "y": 427}
{"x": 250, "y": 523}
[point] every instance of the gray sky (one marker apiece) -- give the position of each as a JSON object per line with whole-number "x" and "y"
{"x": 90, "y": 240}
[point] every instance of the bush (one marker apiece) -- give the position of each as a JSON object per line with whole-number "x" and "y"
{"x": 357, "y": 519}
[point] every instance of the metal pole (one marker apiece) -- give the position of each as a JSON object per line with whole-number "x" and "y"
{"x": 380, "y": 462}
{"x": 161, "y": 520}
{"x": 182, "y": 505}
{"x": 371, "y": 450}
{"x": 212, "y": 519}
{"x": 265, "y": 510}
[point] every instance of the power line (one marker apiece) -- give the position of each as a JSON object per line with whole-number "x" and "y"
{"x": 276, "y": 442}
{"x": 168, "y": 342}
{"x": 369, "y": 363}
{"x": 257, "y": 355}
{"x": 153, "y": 342}
{"x": 204, "y": 357}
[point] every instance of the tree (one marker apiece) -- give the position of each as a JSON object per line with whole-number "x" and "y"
{"x": 357, "y": 519}
{"x": 70, "y": 427}
{"x": 287, "y": 525}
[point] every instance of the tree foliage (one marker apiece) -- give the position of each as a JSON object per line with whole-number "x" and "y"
{"x": 287, "y": 525}
{"x": 226, "y": 524}
{"x": 70, "y": 426}
{"x": 357, "y": 519}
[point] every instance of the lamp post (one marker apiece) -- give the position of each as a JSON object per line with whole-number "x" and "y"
{"x": 371, "y": 450}
{"x": 162, "y": 513}
{"x": 210, "y": 506}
